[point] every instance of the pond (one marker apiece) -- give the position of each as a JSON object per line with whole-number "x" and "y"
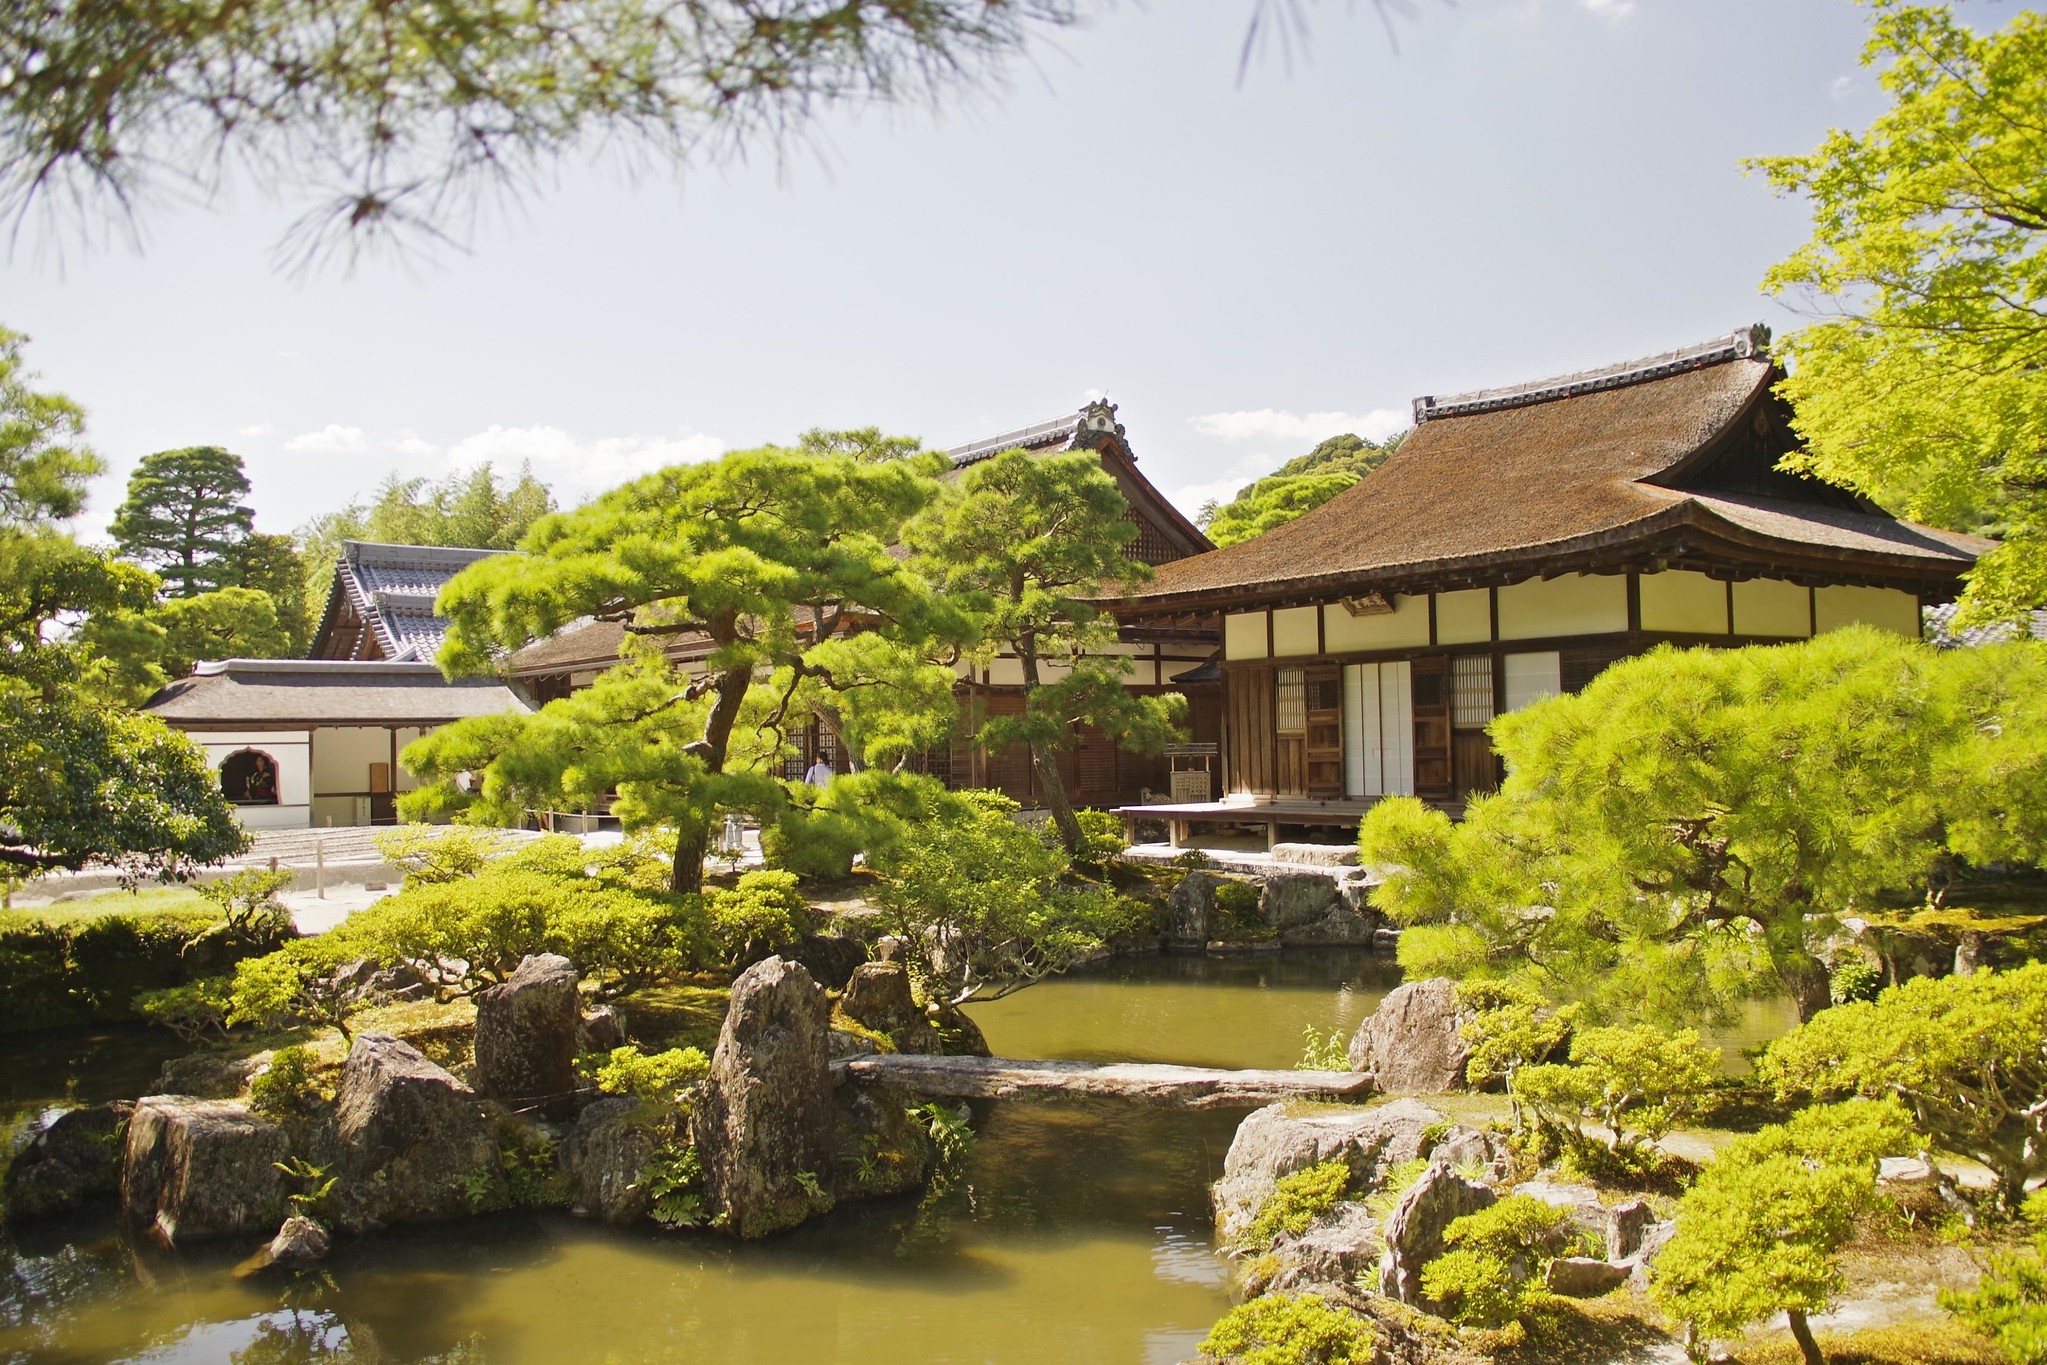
{"x": 1080, "y": 1233}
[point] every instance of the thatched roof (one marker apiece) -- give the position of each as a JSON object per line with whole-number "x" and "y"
{"x": 295, "y": 693}
{"x": 1504, "y": 483}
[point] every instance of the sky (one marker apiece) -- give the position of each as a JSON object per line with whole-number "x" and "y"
{"x": 1505, "y": 189}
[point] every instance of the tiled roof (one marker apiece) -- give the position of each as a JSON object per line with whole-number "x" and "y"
{"x": 1940, "y": 628}
{"x": 1506, "y": 477}
{"x": 394, "y": 588}
{"x": 305, "y": 692}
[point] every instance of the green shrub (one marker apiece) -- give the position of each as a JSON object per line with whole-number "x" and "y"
{"x": 1853, "y": 979}
{"x": 674, "y": 1181}
{"x": 1491, "y": 1273}
{"x": 1639, "y": 1081}
{"x": 248, "y": 902}
{"x": 1101, "y": 837}
{"x": 1292, "y": 1329}
{"x": 1296, "y": 1201}
{"x": 1962, "y": 1052}
{"x": 86, "y": 970}
{"x": 1759, "y": 1231}
{"x": 286, "y": 1088}
{"x": 295, "y": 985}
{"x": 436, "y": 854}
{"x": 763, "y": 915}
{"x": 659, "y": 1076}
{"x": 816, "y": 845}
{"x": 1237, "y": 903}
{"x": 193, "y": 1012}
{"x": 1320, "y": 1053}
{"x": 2010, "y": 1304}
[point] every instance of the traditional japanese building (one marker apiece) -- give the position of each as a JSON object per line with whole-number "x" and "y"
{"x": 314, "y": 742}
{"x": 1519, "y": 541}
{"x": 1162, "y": 653}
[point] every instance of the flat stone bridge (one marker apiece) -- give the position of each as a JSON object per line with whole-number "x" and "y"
{"x": 1190, "y": 1087}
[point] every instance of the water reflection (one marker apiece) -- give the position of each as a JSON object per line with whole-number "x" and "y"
{"x": 1080, "y": 1233}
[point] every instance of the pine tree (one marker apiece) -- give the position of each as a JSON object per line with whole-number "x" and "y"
{"x": 185, "y": 518}
{"x": 771, "y": 555}
{"x": 1031, "y": 544}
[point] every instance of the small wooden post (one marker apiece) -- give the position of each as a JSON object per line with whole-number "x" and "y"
{"x": 320, "y": 866}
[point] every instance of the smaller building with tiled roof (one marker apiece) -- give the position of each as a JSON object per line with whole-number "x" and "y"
{"x": 381, "y": 605}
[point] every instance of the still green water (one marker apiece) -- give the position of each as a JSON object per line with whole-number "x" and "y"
{"x": 1081, "y": 1233}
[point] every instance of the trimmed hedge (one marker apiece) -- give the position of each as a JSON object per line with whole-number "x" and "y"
{"x": 89, "y": 971}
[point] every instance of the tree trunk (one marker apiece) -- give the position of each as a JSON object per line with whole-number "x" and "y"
{"x": 686, "y": 876}
{"x": 1802, "y": 1334}
{"x": 1045, "y": 760}
{"x": 1805, "y": 979}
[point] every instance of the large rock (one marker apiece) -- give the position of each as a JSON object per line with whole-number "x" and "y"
{"x": 1492, "y": 1153}
{"x": 1339, "y": 1247}
{"x": 881, "y": 1152}
{"x": 831, "y": 958}
{"x": 603, "y": 1030}
{"x": 1583, "y": 1277}
{"x": 299, "y": 1241}
{"x": 1580, "y": 1201}
{"x": 1414, "y": 1233}
{"x": 1292, "y": 899}
{"x": 526, "y": 1030}
{"x": 196, "y": 1168}
{"x": 878, "y": 996}
{"x": 1191, "y": 917}
{"x": 208, "y": 1075}
{"x": 1625, "y": 1226}
{"x": 764, "y": 1120}
{"x": 1275, "y": 1141}
{"x": 607, "y": 1152}
{"x": 412, "y": 1143}
{"x": 1410, "y": 1043}
{"x": 72, "y": 1161}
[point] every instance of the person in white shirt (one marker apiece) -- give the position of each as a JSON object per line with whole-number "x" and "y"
{"x": 820, "y": 773}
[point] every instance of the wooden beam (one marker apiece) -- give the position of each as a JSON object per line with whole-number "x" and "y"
{"x": 1189, "y": 1087}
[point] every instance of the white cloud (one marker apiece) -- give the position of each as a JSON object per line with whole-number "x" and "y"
{"x": 256, "y": 429}
{"x": 581, "y": 465}
{"x": 1841, "y": 87}
{"x": 409, "y": 444}
{"x": 1274, "y": 424}
{"x": 1610, "y": 9}
{"x": 332, "y": 439}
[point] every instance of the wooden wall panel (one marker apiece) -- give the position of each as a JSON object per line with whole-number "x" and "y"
{"x": 1249, "y": 762}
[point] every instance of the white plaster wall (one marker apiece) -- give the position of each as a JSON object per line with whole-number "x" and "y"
{"x": 1770, "y": 606}
{"x": 407, "y": 780}
{"x": 1578, "y": 604}
{"x": 1293, "y": 632}
{"x": 1885, "y": 608}
{"x": 1406, "y": 626}
{"x": 294, "y": 780}
{"x": 1531, "y": 677}
{"x": 1244, "y": 635}
{"x": 342, "y": 755}
{"x": 1464, "y": 618}
{"x": 1681, "y": 600}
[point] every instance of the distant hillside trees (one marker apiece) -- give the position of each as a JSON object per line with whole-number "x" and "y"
{"x": 473, "y": 509}
{"x": 1296, "y": 488}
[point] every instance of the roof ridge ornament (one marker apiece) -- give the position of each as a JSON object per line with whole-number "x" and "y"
{"x": 1752, "y": 342}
